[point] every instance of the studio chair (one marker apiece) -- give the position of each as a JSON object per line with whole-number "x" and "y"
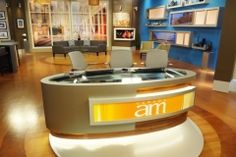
{"x": 4, "y": 61}
{"x": 77, "y": 60}
{"x": 121, "y": 59}
{"x": 156, "y": 58}
{"x": 164, "y": 46}
{"x": 145, "y": 47}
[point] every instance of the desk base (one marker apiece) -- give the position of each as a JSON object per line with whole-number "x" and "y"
{"x": 184, "y": 140}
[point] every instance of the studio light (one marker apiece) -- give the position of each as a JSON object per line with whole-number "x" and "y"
{"x": 93, "y": 2}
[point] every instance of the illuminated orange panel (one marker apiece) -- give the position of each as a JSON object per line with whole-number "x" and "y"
{"x": 125, "y": 111}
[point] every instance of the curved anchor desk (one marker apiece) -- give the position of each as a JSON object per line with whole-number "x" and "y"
{"x": 134, "y": 112}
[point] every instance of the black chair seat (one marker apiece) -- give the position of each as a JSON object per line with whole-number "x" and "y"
{"x": 3, "y": 51}
{"x": 4, "y": 61}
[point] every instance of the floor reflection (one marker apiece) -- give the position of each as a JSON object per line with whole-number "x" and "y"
{"x": 21, "y": 118}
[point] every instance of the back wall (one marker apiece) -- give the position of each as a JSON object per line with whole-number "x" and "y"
{"x": 188, "y": 55}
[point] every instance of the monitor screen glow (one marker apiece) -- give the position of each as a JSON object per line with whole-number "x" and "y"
{"x": 124, "y": 33}
{"x": 162, "y": 36}
{"x": 185, "y": 18}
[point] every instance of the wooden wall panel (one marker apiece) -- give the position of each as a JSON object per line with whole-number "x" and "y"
{"x": 127, "y": 6}
{"x": 227, "y": 50}
{"x": 15, "y": 12}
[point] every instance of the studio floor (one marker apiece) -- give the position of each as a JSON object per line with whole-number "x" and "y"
{"x": 22, "y": 128}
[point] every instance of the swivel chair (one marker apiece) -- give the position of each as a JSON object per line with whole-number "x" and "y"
{"x": 156, "y": 58}
{"x": 121, "y": 59}
{"x": 164, "y": 46}
{"x": 145, "y": 47}
{"x": 78, "y": 61}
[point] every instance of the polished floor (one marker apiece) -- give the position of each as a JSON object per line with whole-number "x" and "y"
{"x": 22, "y": 128}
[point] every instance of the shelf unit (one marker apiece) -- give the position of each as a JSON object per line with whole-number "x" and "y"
{"x": 207, "y": 17}
{"x": 157, "y": 16}
{"x": 186, "y": 3}
{"x": 176, "y": 38}
{"x": 191, "y": 3}
{"x": 160, "y": 19}
{"x": 156, "y": 13}
{"x": 174, "y": 4}
{"x": 156, "y": 25}
{"x": 198, "y": 48}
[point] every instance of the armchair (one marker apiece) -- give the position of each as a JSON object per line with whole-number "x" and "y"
{"x": 145, "y": 47}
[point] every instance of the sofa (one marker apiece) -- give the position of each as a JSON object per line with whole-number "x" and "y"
{"x": 64, "y": 47}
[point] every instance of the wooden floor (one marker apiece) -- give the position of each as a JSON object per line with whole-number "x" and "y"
{"x": 22, "y": 128}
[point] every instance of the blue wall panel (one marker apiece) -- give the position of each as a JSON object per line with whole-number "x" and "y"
{"x": 198, "y": 33}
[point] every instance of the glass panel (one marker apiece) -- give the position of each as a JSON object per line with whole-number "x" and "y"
{"x": 60, "y": 27}
{"x": 60, "y": 20}
{"x": 120, "y": 75}
{"x": 59, "y": 6}
{"x": 89, "y": 22}
{"x": 65, "y": 20}
{"x": 40, "y": 24}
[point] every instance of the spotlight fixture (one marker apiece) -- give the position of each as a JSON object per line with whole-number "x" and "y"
{"x": 120, "y": 8}
{"x": 6, "y": 5}
{"x": 93, "y": 2}
{"x": 19, "y": 5}
{"x": 136, "y": 8}
{"x": 43, "y": 1}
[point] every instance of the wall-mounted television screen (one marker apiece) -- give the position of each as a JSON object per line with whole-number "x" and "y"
{"x": 184, "y": 18}
{"x": 124, "y": 33}
{"x": 164, "y": 36}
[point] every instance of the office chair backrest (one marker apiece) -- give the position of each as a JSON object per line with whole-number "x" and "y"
{"x": 78, "y": 61}
{"x": 147, "y": 45}
{"x": 157, "y": 58}
{"x": 164, "y": 46}
{"x": 121, "y": 58}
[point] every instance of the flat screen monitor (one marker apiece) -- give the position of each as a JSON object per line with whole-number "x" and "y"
{"x": 124, "y": 33}
{"x": 184, "y": 18}
{"x": 164, "y": 36}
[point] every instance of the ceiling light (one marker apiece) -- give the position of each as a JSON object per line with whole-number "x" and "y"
{"x": 93, "y": 2}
